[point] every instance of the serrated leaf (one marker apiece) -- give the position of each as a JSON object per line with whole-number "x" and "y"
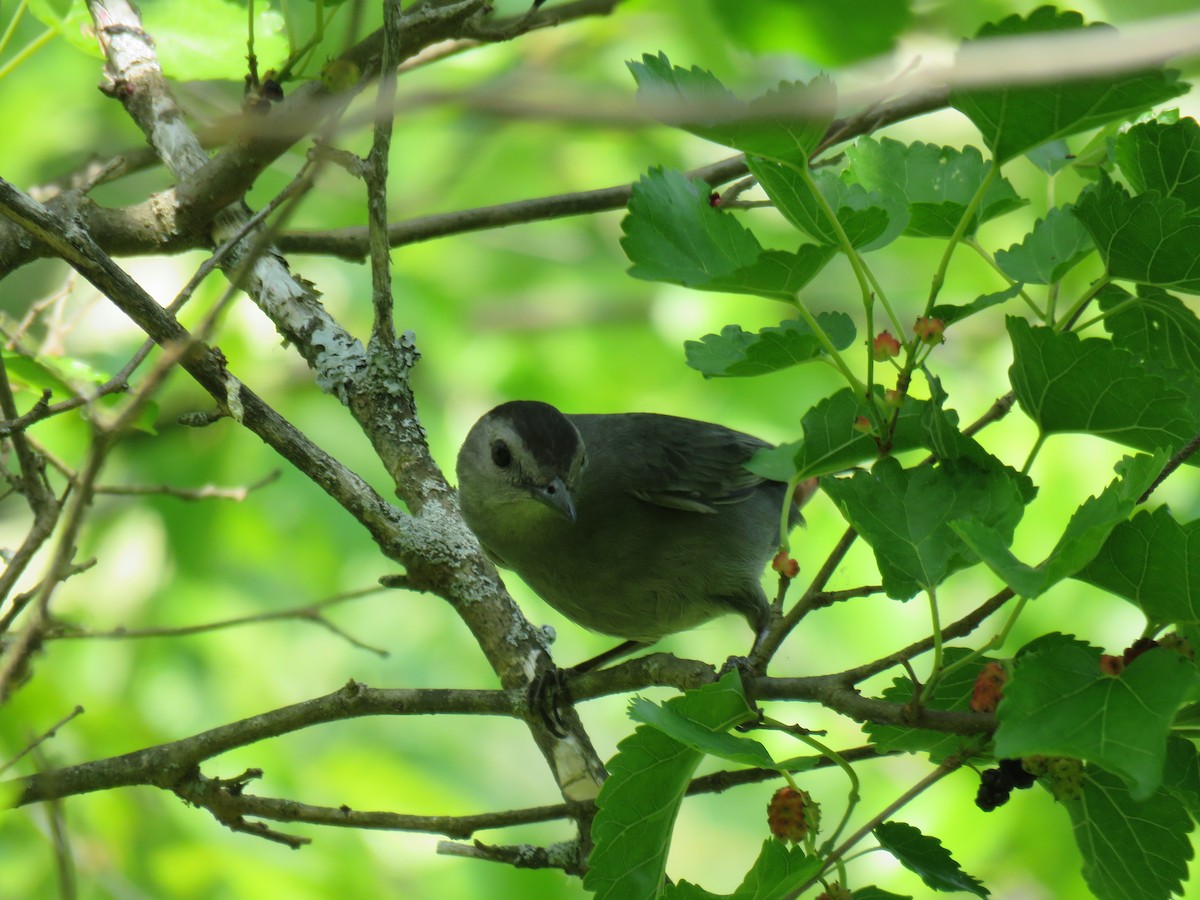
{"x": 1162, "y": 157}
{"x": 1161, "y": 332}
{"x": 1181, "y": 775}
{"x": 637, "y": 805}
{"x": 926, "y": 856}
{"x": 786, "y": 123}
{"x": 951, "y": 693}
{"x": 1158, "y": 328}
{"x": 1152, "y": 561}
{"x": 831, "y": 441}
{"x": 1132, "y": 850}
{"x": 1067, "y": 384}
{"x": 673, "y": 234}
{"x": 1018, "y": 118}
{"x": 1059, "y": 703}
{"x": 1056, "y": 245}
{"x": 950, "y": 313}
{"x": 869, "y": 220}
{"x": 905, "y": 516}
{"x": 738, "y": 353}
{"x": 778, "y": 871}
{"x": 1082, "y": 539}
{"x": 1148, "y": 238}
{"x": 935, "y": 183}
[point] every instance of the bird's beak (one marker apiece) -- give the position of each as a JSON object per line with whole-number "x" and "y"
{"x": 556, "y": 496}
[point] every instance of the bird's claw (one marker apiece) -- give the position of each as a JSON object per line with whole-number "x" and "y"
{"x": 549, "y": 692}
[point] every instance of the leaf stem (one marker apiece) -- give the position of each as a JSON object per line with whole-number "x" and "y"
{"x": 1068, "y": 321}
{"x": 939, "y": 277}
{"x": 974, "y": 244}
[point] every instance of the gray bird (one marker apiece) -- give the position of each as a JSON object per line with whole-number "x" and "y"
{"x": 634, "y": 525}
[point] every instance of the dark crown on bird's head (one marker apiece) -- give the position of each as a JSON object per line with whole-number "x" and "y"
{"x": 549, "y": 436}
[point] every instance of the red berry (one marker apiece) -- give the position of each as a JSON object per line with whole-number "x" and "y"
{"x": 792, "y": 814}
{"x": 863, "y": 424}
{"x": 785, "y": 565}
{"x": 929, "y": 330}
{"x": 989, "y": 687}
{"x": 884, "y": 347}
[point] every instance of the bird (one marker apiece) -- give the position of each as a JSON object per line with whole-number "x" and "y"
{"x": 634, "y": 525}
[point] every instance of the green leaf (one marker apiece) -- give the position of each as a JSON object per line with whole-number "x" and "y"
{"x": 1059, "y": 703}
{"x": 768, "y": 126}
{"x": 869, "y": 220}
{"x": 1150, "y": 239}
{"x": 1067, "y": 384}
{"x": 778, "y": 871}
{"x": 935, "y": 183}
{"x": 639, "y": 801}
{"x": 873, "y": 893}
{"x": 1132, "y": 850}
{"x": 677, "y": 724}
{"x": 950, "y": 313}
{"x": 70, "y": 20}
{"x": 673, "y": 234}
{"x": 832, "y": 443}
{"x": 1051, "y": 157}
{"x": 926, "y": 856}
{"x": 951, "y": 693}
{"x": 1181, "y": 775}
{"x": 1161, "y": 332}
{"x": 905, "y": 516}
{"x": 738, "y": 353}
{"x": 206, "y": 39}
{"x": 1014, "y": 120}
{"x": 1161, "y": 157}
{"x": 815, "y": 29}
{"x": 1082, "y": 539}
{"x": 1154, "y": 562}
{"x": 1056, "y": 245}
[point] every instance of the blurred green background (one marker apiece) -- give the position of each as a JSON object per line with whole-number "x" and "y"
{"x": 543, "y": 311}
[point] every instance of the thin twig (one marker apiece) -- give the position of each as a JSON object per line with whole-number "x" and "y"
{"x": 311, "y": 612}
{"x": 78, "y": 710}
{"x": 206, "y": 492}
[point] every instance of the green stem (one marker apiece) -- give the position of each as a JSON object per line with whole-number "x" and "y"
{"x": 838, "y": 760}
{"x": 939, "y": 277}
{"x": 991, "y": 261}
{"x": 827, "y": 346}
{"x": 1033, "y": 452}
{"x": 27, "y": 51}
{"x": 997, "y": 640}
{"x": 1078, "y": 306}
{"x": 1124, "y": 304}
{"x": 857, "y": 264}
{"x": 935, "y": 674}
{"x": 12, "y": 25}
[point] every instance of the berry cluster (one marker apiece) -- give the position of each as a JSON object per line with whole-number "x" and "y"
{"x": 1064, "y": 773}
{"x": 995, "y": 785}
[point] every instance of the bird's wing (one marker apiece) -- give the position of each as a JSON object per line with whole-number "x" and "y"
{"x": 681, "y": 463}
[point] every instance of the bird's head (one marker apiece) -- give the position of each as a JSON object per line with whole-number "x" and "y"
{"x": 521, "y": 451}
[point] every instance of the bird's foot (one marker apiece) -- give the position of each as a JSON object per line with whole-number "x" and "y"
{"x": 549, "y": 692}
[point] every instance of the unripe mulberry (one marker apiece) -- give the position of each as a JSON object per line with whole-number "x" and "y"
{"x": 989, "y": 687}
{"x": 792, "y": 814}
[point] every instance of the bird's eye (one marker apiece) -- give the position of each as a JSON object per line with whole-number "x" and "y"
{"x": 501, "y": 455}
